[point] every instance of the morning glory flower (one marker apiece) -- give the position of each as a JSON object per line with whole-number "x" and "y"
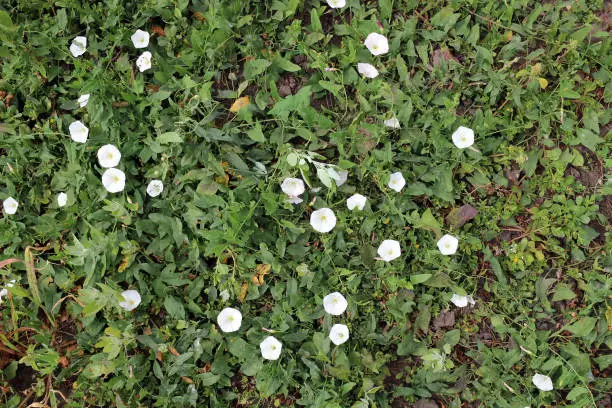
{"x": 270, "y": 348}
{"x": 155, "y": 188}
{"x": 9, "y": 206}
{"x": 389, "y": 250}
{"x": 131, "y": 300}
{"x": 144, "y": 61}
{"x": 113, "y": 180}
{"x": 140, "y": 39}
{"x": 334, "y": 303}
{"x": 463, "y": 137}
{"x": 62, "y": 199}
{"x": 396, "y": 181}
{"x": 78, "y": 131}
{"x": 543, "y": 382}
{"x": 377, "y": 44}
{"x": 293, "y": 187}
{"x": 229, "y": 319}
{"x": 367, "y": 70}
{"x": 392, "y": 123}
{"x": 323, "y": 220}
{"x": 109, "y": 156}
{"x": 448, "y": 244}
{"x": 339, "y": 334}
{"x": 356, "y": 201}
{"x": 78, "y": 46}
{"x": 4, "y": 291}
{"x": 83, "y": 100}
{"x": 336, "y": 3}
{"x": 462, "y": 301}
{"x": 343, "y": 176}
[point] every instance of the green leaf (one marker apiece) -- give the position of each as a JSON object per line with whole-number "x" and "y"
{"x": 416, "y": 279}
{"x": 256, "y": 134}
{"x": 286, "y": 65}
{"x": 563, "y": 292}
{"x": 174, "y": 307}
{"x": 582, "y": 327}
{"x": 169, "y": 137}
{"x": 255, "y": 67}
{"x": 588, "y": 138}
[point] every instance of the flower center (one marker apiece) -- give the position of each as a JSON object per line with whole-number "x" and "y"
{"x": 447, "y": 245}
{"x": 116, "y": 179}
{"x": 375, "y": 47}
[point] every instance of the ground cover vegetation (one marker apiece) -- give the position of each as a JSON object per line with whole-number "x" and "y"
{"x": 247, "y": 203}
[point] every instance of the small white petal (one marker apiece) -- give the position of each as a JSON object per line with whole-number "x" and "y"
{"x": 270, "y": 348}
{"x": 293, "y": 187}
{"x": 9, "y": 206}
{"x": 336, "y": 3}
{"x": 140, "y": 39}
{"x": 83, "y": 100}
{"x": 367, "y": 70}
{"x": 155, "y": 188}
{"x": 462, "y": 301}
{"x": 113, "y": 180}
{"x": 109, "y": 156}
{"x": 339, "y": 334}
{"x": 229, "y": 320}
{"x": 294, "y": 200}
{"x": 131, "y": 300}
{"x": 334, "y": 303}
{"x": 389, "y": 250}
{"x": 377, "y": 43}
{"x": 323, "y": 220}
{"x": 224, "y": 295}
{"x": 543, "y": 382}
{"x": 78, "y": 131}
{"x": 393, "y": 123}
{"x": 144, "y": 61}
{"x": 78, "y": 46}
{"x": 463, "y": 137}
{"x": 342, "y": 177}
{"x": 396, "y": 181}
{"x": 356, "y": 201}
{"x": 62, "y": 199}
{"x": 448, "y": 244}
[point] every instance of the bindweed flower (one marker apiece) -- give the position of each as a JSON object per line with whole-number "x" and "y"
{"x": 144, "y": 61}
{"x": 367, "y": 70}
{"x": 113, "y": 180}
{"x": 342, "y": 177}
{"x": 131, "y": 300}
{"x": 62, "y": 199}
{"x": 78, "y": 46}
{"x": 389, "y": 250}
{"x": 229, "y": 319}
{"x": 334, "y": 303}
{"x": 462, "y": 301}
{"x": 463, "y": 137}
{"x": 140, "y": 39}
{"x": 4, "y": 291}
{"x": 356, "y": 201}
{"x": 323, "y": 220}
{"x": 78, "y": 131}
{"x": 396, "y": 181}
{"x": 83, "y": 100}
{"x": 9, "y": 206}
{"x": 109, "y": 156}
{"x": 270, "y": 348}
{"x": 293, "y": 187}
{"x": 543, "y": 382}
{"x": 155, "y": 188}
{"x": 448, "y": 244}
{"x": 339, "y": 334}
{"x": 392, "y": 123}
{"x": 336, "y": 3}
{"x": 377, "y": 43}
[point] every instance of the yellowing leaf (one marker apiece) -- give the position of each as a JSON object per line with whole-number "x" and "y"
{"x": 243, "y": 292}
{"x": 240, "y": 103}
{"x": 543, "y": 82}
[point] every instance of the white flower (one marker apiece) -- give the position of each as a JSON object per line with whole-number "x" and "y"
{"x": 323, "y": 220}
{"x": 108, "y": 156}
{"x": 377, "y": 44}
{"x": 224, "y": 295}
{"x": 462, "y": 301}
{"x": 463, "y": 137}
{"x": 78, "y": 46}
{"x": 543, "y": 382}
{"x": 83, "y": 100}
{"x": 62, "y": 199}
{"x": 356, "y": 201}
{"x": 140, "y": 39}
{"x": 294, "y": 200}
{"x": 155, "y": 188}
{"x": 229, "y": 319}
{"x": 367, "y": 70}
{"x": 334, "y": 303}
{"x": 396, "y": 181}
{"x": 270, "y": 348}
{"x": 393, "y": 123}
{"x": 336, "y": 3}
{"x": 339, "y": 334}
{"x": 343, "y": 176}
{"x": 293, "y": 187}
{"x": 389, "y": 250}
{"x": 144, "y": 61}
{"x": 131, "y": 300}
{"x": 78, "y": 131}
{"x": 10, "y": 205}
{"x": 4, "y": 291}
{"x": 448, "y": 244}
{"x": 113, "y": 180}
